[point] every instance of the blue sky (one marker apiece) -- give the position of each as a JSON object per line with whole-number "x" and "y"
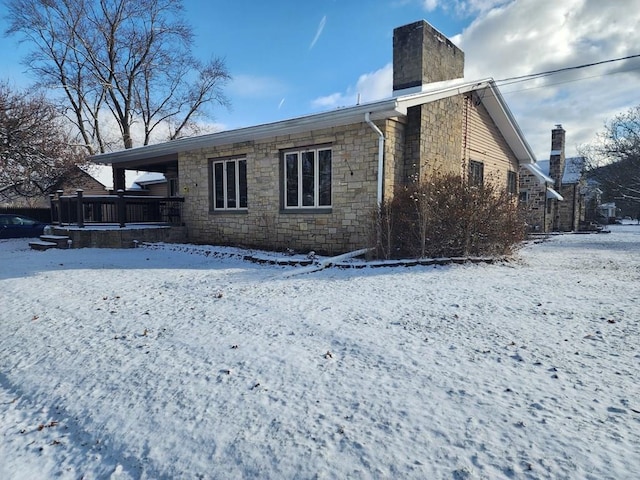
{"x": 290, "y": 58}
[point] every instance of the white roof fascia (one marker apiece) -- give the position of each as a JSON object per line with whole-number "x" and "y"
{"x": 391, "y": 107}
{"x": 551, "y": 193}
{"x": 504, "y": 119}
{"x": 378, "y": 110}
{"x": 539, "y": 174}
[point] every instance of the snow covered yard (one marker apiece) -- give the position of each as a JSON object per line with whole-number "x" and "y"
{"x": 154, "y": 363}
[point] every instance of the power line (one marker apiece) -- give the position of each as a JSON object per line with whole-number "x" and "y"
{"x": 531, "y": 76}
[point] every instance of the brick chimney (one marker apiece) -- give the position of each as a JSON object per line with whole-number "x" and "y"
{"x": 556, "y": 158}
{"x": 422, "y": 55}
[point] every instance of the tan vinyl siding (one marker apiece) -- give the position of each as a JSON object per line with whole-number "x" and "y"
{"x": 484, "y": 143}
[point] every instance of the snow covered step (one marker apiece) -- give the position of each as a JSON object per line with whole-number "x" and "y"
{"x": 61, "y": 241}
{"x": 42, "y": 245}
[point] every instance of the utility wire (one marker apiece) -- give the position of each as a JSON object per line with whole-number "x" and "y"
{"x": 531, "y": 76}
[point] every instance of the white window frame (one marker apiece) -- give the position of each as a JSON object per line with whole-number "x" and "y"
{"x": 225, "y": 163}
{"x": 316, "y": 179}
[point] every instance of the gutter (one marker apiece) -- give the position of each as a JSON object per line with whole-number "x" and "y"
{"x": 367, "y": 118}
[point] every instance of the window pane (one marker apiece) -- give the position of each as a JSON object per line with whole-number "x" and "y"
{"x": 511, "y": 182}
{"x": 242, "y": 174}
{"x": 231, "y": 185}
{"x": 308, "y": 179}
{"x": 324, "y": 181}
{"x": 476, "y": 173}
{"x": 218, "y": 177}
{"x": 291, "y": 160}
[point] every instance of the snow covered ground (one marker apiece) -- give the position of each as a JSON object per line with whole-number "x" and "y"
{"x": 157, "y": 363}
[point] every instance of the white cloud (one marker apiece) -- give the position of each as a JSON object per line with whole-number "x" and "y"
{"x": 323, "y": 22}
{"x": 369, "y": 87}
{"x": 520, "y": 37}
{"x": 463, "y": 7}
{"x": 525, "y": 37}
{"x": 430, "y": 5}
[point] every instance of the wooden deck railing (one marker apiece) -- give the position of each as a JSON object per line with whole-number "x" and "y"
{"x": 117, "y": 209}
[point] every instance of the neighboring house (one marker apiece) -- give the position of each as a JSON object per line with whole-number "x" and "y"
{"x": 556, "y": 200}
{"x": 536, "y": 190}
{"x": 313, "y": 182}
{"x": 74, "y": 180}
{"x": 608, "y": 212}
{"x": 151, "y": 183}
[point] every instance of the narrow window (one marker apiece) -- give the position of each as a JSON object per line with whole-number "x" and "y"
{"x": 230, "y": 184}
{"x": 524, "y": 196}
{"x": 512, "y": 185}
{"x": 324, "y": 178}
{"x": 308, "y": 179}
{"x": 291, "y": 160}
{"x": 476, "y": 173}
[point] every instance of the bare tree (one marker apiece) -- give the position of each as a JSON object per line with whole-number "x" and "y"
{"x": 131, "y": 58}
{"x": 614, "y": 158}
{"x": 35, "y": 150}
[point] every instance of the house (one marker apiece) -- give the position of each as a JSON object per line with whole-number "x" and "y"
{"x": 536, "y": 190}
{"x": 313, "y": 182}
{"x": 151, "y": 183}
{"x": 562, "y": 208}
{"x": 75, "y": 179}
{"x": 608, "y": 212}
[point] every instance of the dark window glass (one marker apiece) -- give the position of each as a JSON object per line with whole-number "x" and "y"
{"x": 218, "y": 175}
{"x": 524, "y": 197}
{"x": 242, "y": 179}
{"x": 231, "y": 184}
{"x": 308, "y": 179}
{"x": 476, "y": 173}
{"x": 512, "y": 186}
{"x": 324, "y": 177}
{"x": 291, "y": 160}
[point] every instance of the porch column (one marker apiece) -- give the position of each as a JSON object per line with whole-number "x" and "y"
{"x": 118, "y": 179}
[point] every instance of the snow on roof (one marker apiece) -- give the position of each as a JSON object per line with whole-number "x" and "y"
{"x": 543, "y": 165}
{"x": 573, "y": 169}
{"x": 149, "y": 178}
{"x": 535, "y": 169}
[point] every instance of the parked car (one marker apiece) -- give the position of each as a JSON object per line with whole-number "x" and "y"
{"x": 19, "y": 226}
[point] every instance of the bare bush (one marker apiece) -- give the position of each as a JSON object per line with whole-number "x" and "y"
{"x": 445, "y": 216}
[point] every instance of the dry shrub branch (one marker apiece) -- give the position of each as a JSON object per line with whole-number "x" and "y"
{"x": 446, "y": 216}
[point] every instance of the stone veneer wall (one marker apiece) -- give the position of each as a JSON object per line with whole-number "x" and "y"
{"x": 433, "y": 138}
{"x": 572, "y": 211}
{"x": 536, "y": 201}
{"x": 394, "y": 134}
{"x": 89, "y": 237}
{"x": 265, "y": 224}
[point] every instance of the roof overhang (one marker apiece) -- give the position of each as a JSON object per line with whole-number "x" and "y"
{"x": 487, "y": 92}
{"x": 168, "y": 151}
{"x": 490, "y": 97}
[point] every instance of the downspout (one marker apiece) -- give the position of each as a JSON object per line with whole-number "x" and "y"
{"x": 367, "y": 118}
